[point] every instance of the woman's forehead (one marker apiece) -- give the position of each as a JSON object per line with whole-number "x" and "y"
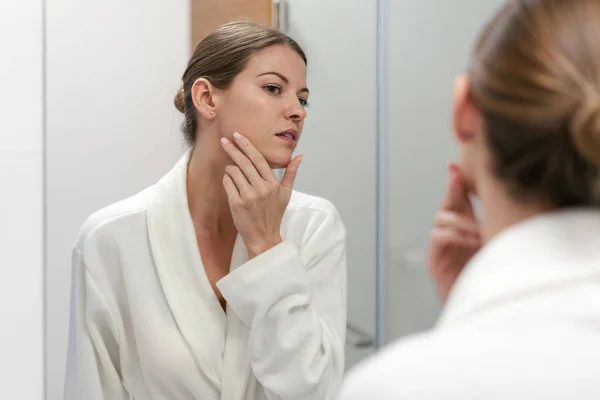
{"x": 279, "y": 59}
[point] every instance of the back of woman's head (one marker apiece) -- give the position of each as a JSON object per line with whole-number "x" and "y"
{"x": 220, "y": 57}
{"x": 535, "y": 77}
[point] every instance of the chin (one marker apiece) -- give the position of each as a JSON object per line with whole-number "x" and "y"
{"x": 278, "y": 161}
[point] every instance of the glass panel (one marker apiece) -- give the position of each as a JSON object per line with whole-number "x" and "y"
{"x": 429, "y": 44}
{"x": 339, "y": 139}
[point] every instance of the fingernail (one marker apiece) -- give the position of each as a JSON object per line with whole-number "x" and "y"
{"x": 237, "y": 136}
{"x": 224, "y": 140}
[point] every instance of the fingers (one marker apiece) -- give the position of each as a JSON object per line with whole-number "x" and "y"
{"x": 257, "y": 159}
{"x": 232, "y": 192}
{"x": 464, "y": 224}
{"x": 240, "y": 180}
{"x": 290, "y": 173}
{"x": 457, "y": 196}
{"x": 245, "y": 165}
{"x": 456, "y": 229}
{"x": 449, "y": 236}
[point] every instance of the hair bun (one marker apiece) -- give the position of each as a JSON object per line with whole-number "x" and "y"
{"x": 179, "y": 100}
{"x": 585, "y": 129}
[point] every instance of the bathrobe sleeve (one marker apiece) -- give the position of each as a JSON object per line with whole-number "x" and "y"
{"x": 294, "y": 302}
{"x": 93, "y": 352}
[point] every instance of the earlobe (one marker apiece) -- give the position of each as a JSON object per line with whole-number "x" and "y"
{"x": 202, "y": 95}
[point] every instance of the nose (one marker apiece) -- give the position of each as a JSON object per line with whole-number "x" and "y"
{"x": 294, "y": 111}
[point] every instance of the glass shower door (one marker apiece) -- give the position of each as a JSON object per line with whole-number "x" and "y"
{"x": 338, "y": 141}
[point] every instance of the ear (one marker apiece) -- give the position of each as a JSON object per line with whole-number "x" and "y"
{"x": 465, "y": 117}
{"x": 202, "y": 95}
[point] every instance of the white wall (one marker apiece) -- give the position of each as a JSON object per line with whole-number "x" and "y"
{"x": 21, "y": 200}
{"x": 429, "y": 44}
{"x": 113, "y": 67}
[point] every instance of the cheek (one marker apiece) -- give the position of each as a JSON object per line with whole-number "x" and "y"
{"x": 247, "y": 114}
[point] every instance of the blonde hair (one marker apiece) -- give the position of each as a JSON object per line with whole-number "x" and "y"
{"x": 535, "y": 76}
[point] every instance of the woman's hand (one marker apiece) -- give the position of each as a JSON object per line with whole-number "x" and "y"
{"x": 256, "y": 197}
{"x": 455, "y": 237}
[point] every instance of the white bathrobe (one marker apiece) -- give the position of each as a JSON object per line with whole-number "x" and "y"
{"x": 146, "y": 324}
{"x": 521, "y": 323}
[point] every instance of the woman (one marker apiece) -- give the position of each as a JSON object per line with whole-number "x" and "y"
{"x": 522, "y": 316}
{"x": 218, "y": 282}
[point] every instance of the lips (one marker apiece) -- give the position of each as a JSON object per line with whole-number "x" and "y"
{"x": 290, "y": 134}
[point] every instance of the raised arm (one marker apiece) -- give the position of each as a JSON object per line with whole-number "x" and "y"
{"x": 294, "y": 302}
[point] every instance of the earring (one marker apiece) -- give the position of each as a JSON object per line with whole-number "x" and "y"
{"x": 212, "y": 113}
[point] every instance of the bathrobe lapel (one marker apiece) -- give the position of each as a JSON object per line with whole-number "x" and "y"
{"x": 194, "y": 306}
{"x": 236, "y": 365}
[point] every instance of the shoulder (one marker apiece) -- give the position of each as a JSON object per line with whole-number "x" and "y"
{"x": 449, "y": 362}
{"x": 103, "y": 223}
{"x": 383, "y": 375}
{"x": 434, "y": 364}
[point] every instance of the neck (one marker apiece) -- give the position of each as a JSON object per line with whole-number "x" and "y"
{"x": 207, "y": 199}
{"x": 500, "y": 211}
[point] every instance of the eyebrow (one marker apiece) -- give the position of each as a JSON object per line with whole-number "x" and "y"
{"x": 283, "y": 78}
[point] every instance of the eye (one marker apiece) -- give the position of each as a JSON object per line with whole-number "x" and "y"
{"x": 303, "y": 102}
{"x": 272, "y": 89}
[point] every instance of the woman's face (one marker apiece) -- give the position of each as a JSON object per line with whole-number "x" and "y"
{"x": 266, "y": 103}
